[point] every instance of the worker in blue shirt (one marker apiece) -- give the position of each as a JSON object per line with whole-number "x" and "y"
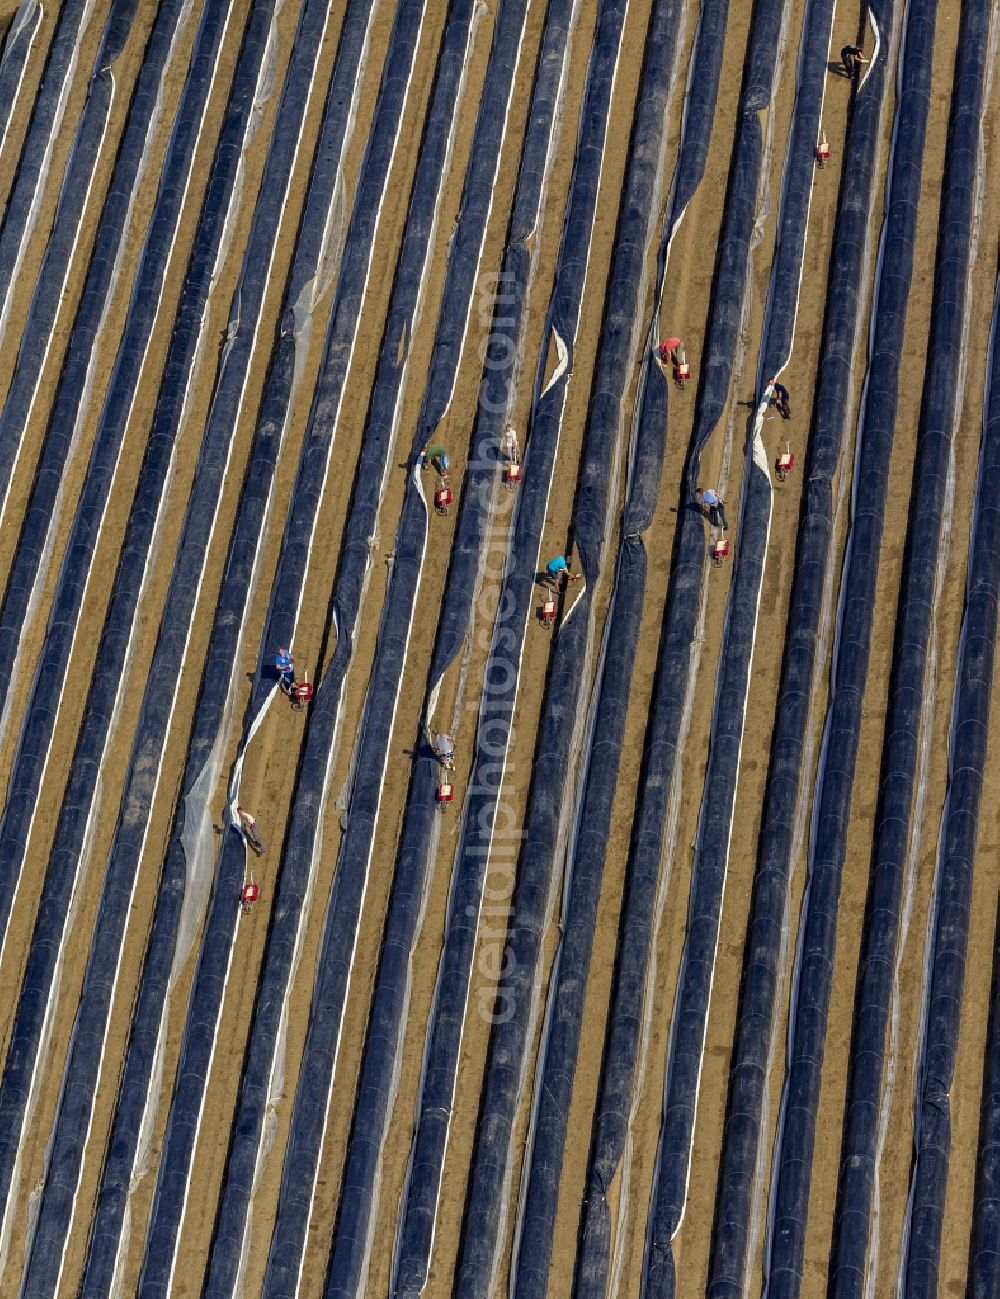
{"x": 284, "y": 665}
{"x": 715, "y": 505}
{"x": 781, "y": 399}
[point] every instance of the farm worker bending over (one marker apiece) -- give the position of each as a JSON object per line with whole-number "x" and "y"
{"x": 444, "y": 749}
{"x": 248, "y": 824}
{"x": 285, "y": 667}
{"x": 852, "y": 56}
{"x": 715, "y": 505}
{"x": 781, "y": 399}
{"x": 671, "y": 349}
{"x": 558, "y": 568}
{"x": 436, "y": 456}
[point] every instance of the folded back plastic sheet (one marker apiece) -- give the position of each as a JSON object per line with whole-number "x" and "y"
{"x": 380, "y": 1067}
{"x": 957, "y": 850}
{"x": 817, "y": 937}
{"x": 767, "y": 930}
{"x": 909, "y": 698}
{"x": 984, "y": 1254}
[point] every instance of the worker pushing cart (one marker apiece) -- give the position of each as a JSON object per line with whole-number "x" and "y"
{"x": 671, "y": 353}
{"x": 510, "y": 449}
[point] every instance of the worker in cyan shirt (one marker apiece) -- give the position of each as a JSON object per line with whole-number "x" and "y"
{"x": 556, "y": 570}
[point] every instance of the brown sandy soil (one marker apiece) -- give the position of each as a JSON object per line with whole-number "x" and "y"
{"x": 285, "y": 476}
{"x": 458, "y": 703}
{"x": 282, "y": 731}
{"x": 896, "y": 1154}
{"x": 895, "y": 1159}
{"x": 800, "y": 375}
{"x": 125, "y": 73}
{"x": 779, "y": 578}
{"x": 967, "y": 1087}
{"x": 844, "y": 29}
{"x": 269, "y": 776}
{"x": 685, "y": 310}
{"x": 159, "y": 577}
{"x": 419, "y": 354}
